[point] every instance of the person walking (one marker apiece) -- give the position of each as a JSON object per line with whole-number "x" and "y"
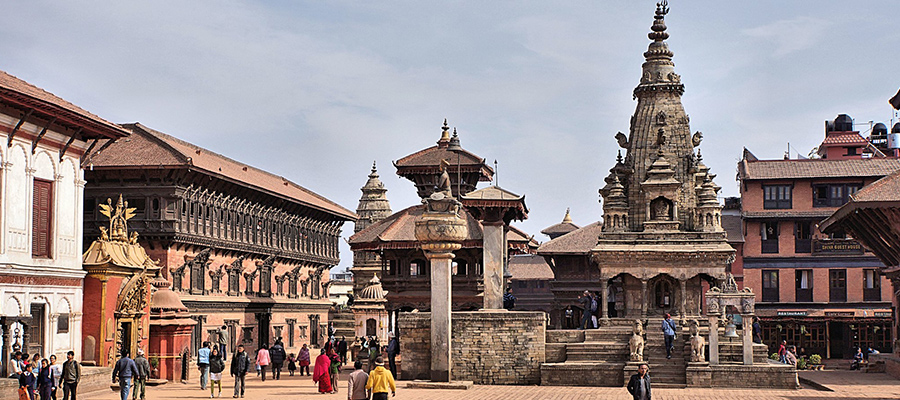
{"x": 757, "y": 330}
{"x": 509, "y": 301}
{"x": 203, "y": 364}
{"x": 380, "y": 381}
{"x": 140, "y": 381}
{"x": 303, "y": 359}
{"x": 639, "y": 384}
{"x": 27, "y": 383}
{"x": 321, "y": 373}
{"x": 374, "y": 351}
{"x": 356, "y": 383}
{"x": 240, "y": 365}
{"x": 585, "y": 301}
{"x": 222, "y": 340}
{"x": 595, "y": 309}
{"x": 45, "y": 380}
{"x": 277, "y": 355}
{"x": 216, "y": 366}
{"x": 263, "y": 360}
{"x": 56, "y": 374}
{"x": 124, "y": 371}
{"x": 292, "y": 363}
{"x": 334, "y": 371}
{"x": 393, "y": 349}
{"x": 71, "y": 375}
{"x": 668, "y": 328}
{"x": 782, "y": 350}
{"x": 342, "y": 350}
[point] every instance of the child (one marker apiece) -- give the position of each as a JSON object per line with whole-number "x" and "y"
{"x": 216, "y": 366}
{"x": 292, "y": 364}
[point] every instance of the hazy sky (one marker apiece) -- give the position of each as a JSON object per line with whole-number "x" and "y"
{"x": 316, "y": 91}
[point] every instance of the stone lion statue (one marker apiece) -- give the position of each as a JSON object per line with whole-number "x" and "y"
{"x": 697, "y": 342}
{"x": 636, "y": 344}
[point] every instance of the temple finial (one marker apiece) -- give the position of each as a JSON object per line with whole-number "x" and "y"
{"x": 374, "y": 169}
{"x": 445, "y": 133}
{"x": 568, "y": 218}
{"x": 619, "y": 157}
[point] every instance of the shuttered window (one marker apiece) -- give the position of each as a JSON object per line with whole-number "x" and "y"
{"x": 41, "y": 218}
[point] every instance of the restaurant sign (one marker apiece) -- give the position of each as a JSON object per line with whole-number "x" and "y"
{"x": 839, "y": 313}
{"x": 836, "y": 246}
{"x": 792, "y": 313}
{"x": 883, "y": 314}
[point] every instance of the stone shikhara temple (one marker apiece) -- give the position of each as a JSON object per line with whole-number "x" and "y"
{"x": 660, "y": 249}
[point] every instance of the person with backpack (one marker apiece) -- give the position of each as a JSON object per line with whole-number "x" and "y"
{"x": 668, "y": 328}
{"x": 277, "y": 356}
{"x": 585, "y": 301}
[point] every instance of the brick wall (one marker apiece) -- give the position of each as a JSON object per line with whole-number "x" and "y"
{"x": 488, "y": 347}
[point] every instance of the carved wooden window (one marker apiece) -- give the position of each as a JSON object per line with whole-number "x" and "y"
{"x": 42, "y": 216}
{"x": 837, "y": 285}
{"x": 198, "y": 276}
{"x": 216, "y": 277}
{"x": 305, "y": 284}
{"x": 770, "y": 285}
{"x": 234, "y": 281}
{"x": 777, "y": 197}
{"x": 292, "y": 285}
{"x": 291, "y": 322}
{"x": 265, "y": 280}
{"x": 871, "y": 285}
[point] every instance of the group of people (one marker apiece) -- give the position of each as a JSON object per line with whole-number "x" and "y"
{"x": 42, "y": 377}
{"x": 132, "y": 372}
{"x": 590, "y": 306}
{"x": 861, "y": 357}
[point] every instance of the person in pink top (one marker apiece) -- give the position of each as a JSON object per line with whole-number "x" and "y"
{"x": 262, "y": 359}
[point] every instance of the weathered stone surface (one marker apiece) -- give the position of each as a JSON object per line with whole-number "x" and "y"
{"x": 488, "y": 347}
{"x": 769, "y": 376}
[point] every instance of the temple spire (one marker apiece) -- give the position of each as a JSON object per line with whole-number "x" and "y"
{"x": 445, "y": 135}
{"x": 568, "y": 218}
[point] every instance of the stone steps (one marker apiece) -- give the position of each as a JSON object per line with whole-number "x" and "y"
{"x": 593, "y": 373}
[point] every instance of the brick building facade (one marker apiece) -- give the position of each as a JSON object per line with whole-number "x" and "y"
{"x": 817, "y": 291}
{"x": 241, "y": 247}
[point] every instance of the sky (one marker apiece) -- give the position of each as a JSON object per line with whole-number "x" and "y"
{"x": 317, "y": 91}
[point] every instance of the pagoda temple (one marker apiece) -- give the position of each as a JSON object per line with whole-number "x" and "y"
{"x": 391, "y": 240}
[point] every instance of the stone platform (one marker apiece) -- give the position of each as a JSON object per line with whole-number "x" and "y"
{"x": 454, "y": 385}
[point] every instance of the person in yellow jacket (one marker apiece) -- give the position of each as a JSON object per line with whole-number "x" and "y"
{"x": 380, "y": 380}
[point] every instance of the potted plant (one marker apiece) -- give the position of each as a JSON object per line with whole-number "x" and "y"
{"x": 774, "y": 357}
{"x": 154, "y": 367}
{"x": 802, "y": 364}
{"x": 816, "y": 361}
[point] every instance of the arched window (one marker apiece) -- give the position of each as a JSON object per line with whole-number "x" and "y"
{"x": 663, "y": 294}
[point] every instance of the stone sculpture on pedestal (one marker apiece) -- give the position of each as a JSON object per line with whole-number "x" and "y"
{"x": 697, "y": 343}
{"x": 440, "y": 231}
{"x": 636, "y": 344}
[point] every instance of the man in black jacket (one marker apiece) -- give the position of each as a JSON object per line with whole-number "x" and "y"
{"x": 639, "y": 385}
{"x": 240, "y": 364}
{"x": 277, "y": 357}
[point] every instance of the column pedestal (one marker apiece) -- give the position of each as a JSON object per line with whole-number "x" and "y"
{"x": 440, "y": 315}
{"x": 748, "y": 338}
{"x": 713, "y": 340}
{"x": 604, "y": 301}
{"x": 493, "y": 265}
{"x": 644, "y": 299}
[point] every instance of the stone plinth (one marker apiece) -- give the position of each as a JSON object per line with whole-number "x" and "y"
{"x": 454, "y": 385}
{"x": 699, "y": 374}
{"x": 770, "y": 376}
{"x": 488, "y": 347}
{"x": 494, "y": 246}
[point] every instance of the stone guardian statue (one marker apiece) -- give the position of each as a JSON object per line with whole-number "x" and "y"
{"x": 636, "y": 344}
{"x": 697, "y": 342}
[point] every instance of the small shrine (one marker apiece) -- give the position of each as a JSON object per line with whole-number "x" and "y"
{"x": 369, "y": 314}
{"x": 118, "y": 290}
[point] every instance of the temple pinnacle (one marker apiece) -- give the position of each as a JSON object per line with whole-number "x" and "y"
{"x": 567, "y": 219}
{"x": 445, "y": 132}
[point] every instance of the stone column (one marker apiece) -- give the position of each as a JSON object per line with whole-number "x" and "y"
{"x": 493, "y": 265}
{"x": 604, "y": 301}
{"x": 683, "y": 284}
{"x": 440, "y": 231}
{"x": 441, "y": 261}
{"x": 713, "y": 340}
{"x": 748, "y": 338}
{"x": 644, "y": 299}
{"x": 5, "y": 353}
